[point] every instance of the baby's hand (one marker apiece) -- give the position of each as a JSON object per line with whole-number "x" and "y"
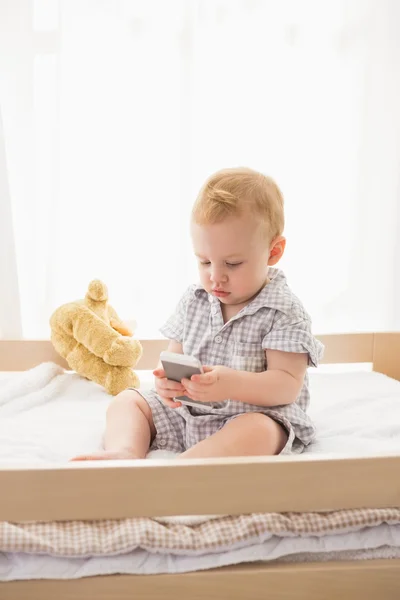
{"x": 168, "y": 389}
{"x": 215, "y": 385}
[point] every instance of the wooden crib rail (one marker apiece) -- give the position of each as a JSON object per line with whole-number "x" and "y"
{"x": 380, "y": 349}
{"x": 212, "y": 486}
{"x": 19, "y": 355}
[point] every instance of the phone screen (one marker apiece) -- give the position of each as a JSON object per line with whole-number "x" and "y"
{"x": 177, "y": 372}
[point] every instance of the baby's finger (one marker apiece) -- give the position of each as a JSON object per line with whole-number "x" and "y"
{"x": 159, "y": 373}
{"x": 194, "y": 391}
{"x": 168, "y": 384}
{"x": 205, "y": 379}
{"x": 170, "y": 403}
{"x": 193, "y": 386}
{"x": 169, "y": 393}
{"x": 175, "y": 385}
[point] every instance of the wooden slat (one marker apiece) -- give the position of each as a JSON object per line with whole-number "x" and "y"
{"x": 212, "y": 486}
{"x": 386, "y": 357}
{"x": 348, "y": 347}
{"x": 356, "y": 580}
{"x": 19, "y": 355}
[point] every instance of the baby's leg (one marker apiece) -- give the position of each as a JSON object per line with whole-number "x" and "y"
{"x": 250, "y": 434}
{"x": 129, "y": 429}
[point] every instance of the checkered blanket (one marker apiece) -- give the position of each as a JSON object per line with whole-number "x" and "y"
{"x": 172, "y": 535}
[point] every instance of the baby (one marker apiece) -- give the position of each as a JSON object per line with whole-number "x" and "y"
{"x": 246, "y": 327}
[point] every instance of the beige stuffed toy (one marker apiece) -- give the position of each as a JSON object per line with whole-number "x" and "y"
{"x": 95, "y": 342}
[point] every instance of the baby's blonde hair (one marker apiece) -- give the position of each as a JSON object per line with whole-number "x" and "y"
{"x": 234, "y": 192}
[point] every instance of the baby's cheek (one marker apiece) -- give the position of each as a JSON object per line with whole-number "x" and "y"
{"x": 204, "y": 278}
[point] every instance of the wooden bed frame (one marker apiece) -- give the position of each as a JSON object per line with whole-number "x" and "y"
{"x": 214, "y": 486}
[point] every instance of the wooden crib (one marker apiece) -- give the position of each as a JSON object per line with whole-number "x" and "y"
{"x": 213, "y": 486}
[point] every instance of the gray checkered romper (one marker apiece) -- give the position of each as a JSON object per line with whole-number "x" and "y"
{"x": 274, "y": 320}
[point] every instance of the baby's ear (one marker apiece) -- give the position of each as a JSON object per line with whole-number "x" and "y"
{"x": 276, "y": 250}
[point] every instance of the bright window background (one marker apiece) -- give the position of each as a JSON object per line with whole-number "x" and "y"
{"x": 115, "y": 111}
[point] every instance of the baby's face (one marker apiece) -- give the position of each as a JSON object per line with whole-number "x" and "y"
{"x": 232, "y": 257}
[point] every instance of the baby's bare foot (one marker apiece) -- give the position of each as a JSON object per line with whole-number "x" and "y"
{"x": 107, "y": 455}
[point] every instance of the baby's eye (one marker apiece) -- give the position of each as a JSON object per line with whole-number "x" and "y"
{"x": 233, "y": 264}
{"x": 205, "y": 263}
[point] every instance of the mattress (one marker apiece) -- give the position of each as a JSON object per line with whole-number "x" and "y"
{"x": 48, "y": 416}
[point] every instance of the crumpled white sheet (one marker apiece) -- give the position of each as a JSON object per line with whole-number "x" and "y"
{"x": 48, "y": 415}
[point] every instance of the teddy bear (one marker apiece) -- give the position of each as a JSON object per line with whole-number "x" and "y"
{"x": 95, "y": 342}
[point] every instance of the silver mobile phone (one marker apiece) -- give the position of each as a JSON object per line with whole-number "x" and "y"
{"x": 181, "y": 366}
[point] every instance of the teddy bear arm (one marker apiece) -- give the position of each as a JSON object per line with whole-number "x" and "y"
{"x": 93, "y": 333}
{"x": 114, "y": 379}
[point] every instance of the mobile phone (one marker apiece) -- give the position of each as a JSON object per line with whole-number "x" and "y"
{"x": 182, "y": 366}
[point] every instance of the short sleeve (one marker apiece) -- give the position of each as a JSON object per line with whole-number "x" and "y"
{"x": 174, "y": 328}
{"x": 292, "y": 333}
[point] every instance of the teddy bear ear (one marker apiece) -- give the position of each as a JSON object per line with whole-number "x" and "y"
{"x": 97, "y": 291}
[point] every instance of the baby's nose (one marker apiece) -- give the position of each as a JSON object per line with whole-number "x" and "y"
{"x": 218, "y": 276}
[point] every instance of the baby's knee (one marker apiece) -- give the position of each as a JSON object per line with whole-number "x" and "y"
{"x": 129, "y": 400}
{"x": 261, "y": 426}
{"x": 257, "y": 422}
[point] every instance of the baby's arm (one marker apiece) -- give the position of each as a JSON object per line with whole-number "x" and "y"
{"x": 280, "y": 384}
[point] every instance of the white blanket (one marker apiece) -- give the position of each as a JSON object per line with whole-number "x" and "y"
{"x": 356, "y": 413}
{"x": 48, "y": 415}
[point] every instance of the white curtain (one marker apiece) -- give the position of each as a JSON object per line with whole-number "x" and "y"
{"x": 116, "y": 110}
{"x": 10, "y": 317}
